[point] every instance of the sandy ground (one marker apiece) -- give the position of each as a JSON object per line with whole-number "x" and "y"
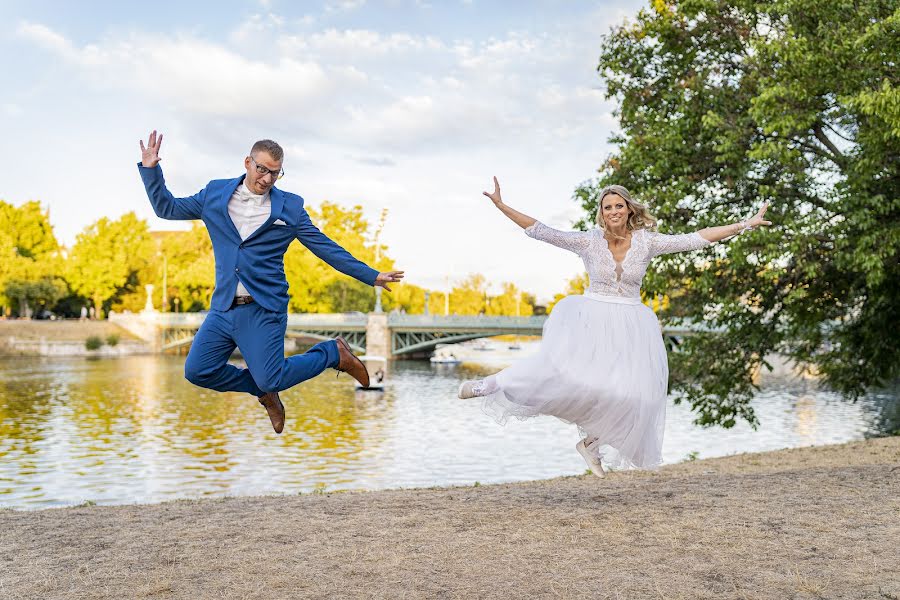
{"x": 807, "y": 523}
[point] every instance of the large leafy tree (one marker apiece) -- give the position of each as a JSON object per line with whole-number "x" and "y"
{"x": 29, "y": 257}
{"x": 726, "y": 104}
{"x": 190, "y": 267}
{"x": 470, "y": 296}
{"x": 512, "y": 302}
{"x": 316, "y": 286}
{"x": 108, "y": 259}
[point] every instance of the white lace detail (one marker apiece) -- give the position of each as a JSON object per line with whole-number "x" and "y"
{"x": 607, "y": 277}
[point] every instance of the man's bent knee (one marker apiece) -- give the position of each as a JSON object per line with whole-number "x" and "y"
{"x": 268, "y": 382}
{"x": 197, "y": 376}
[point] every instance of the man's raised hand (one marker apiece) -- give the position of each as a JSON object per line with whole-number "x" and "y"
{"x": 150, "y": 153}
{"x": 389, "y": 277}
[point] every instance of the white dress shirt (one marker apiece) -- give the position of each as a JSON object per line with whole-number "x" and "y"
{"x": 248, "y": 212}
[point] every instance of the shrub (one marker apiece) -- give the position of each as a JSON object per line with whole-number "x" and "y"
{"x": 112, "y": 339}
{"x": 93, "y": 343}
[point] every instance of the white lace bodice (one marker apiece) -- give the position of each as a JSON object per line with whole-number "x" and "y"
{"x": 607, "y": 277}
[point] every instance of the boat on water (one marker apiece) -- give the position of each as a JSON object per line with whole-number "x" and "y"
{"x": 444, "y": 358}
{"x": 377, "y": 368}
{"x": 483, "y": 346}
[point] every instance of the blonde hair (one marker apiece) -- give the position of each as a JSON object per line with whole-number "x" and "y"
{"x": 638, "y": 215}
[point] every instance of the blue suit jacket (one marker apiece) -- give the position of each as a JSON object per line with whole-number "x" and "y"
{"x": 258, "y": 261}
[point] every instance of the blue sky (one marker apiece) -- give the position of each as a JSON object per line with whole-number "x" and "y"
{"x": 404, "y": 105}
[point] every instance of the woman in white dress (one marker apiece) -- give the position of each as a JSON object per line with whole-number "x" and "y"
{"x": 602, "y": 364}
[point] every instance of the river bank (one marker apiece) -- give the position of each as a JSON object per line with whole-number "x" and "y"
{"x": 817, "y": 522}
{"x": 24, "y": 337}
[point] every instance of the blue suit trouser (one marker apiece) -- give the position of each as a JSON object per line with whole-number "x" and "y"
{"x": 259, "y": 334}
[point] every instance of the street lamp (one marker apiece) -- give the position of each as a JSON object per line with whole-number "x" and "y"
{"x": 384, "y": 213}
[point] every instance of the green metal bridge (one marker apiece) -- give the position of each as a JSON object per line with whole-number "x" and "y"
{"x": 408, "y": 334}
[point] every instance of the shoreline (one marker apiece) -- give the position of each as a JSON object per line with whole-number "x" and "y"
{"x": 64, "y": 338}
{"x": 818, "y": 521}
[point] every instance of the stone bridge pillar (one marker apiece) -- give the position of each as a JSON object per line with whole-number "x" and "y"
{"x": 378, "y": 336}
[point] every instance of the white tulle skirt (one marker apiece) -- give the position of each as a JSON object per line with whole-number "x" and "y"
{"x": 602, "y": 365}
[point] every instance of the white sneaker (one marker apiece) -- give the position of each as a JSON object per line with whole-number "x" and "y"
{"x": 592, "y": 461}
{"x": 470, "y": 389}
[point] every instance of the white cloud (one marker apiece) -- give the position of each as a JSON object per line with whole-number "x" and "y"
{"x": 396, "y": 119}
{"x": 11, "y": 109}
{"x": 343, "y": 5}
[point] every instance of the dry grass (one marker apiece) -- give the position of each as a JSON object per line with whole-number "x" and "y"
{"x": 799, "y": 524}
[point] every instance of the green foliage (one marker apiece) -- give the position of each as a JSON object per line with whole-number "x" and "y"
{"x": 112, "y": 340}
{"x": 317, "y": 287}
{"x": 576, "y": 285}
{"x": 43, "y": 292}
{"x": 108, "y": 258}
{"x": 190, "y": 266}
{"x": 29, "y": 257}
{"x": 723, "y": 105}
{"x": 93, "y": 342}
{"x": 112, "y": 261}
{"x": 470, "y": 297}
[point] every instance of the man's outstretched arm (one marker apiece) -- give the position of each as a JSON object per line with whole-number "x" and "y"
{"x": 165, "y": 205}
{"x": 328, "y": 250}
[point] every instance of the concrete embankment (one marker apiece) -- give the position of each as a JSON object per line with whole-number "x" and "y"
{"x": 66, "y": 338}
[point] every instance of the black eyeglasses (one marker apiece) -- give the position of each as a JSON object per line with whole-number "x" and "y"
{"x": 264, "y": 171}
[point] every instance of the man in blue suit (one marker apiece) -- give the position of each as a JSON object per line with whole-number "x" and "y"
{"x": 251, "y": 224}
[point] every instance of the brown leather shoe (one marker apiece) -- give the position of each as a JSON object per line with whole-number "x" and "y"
{"x": 350, "y": 364}
{"x": 275, "y": 409}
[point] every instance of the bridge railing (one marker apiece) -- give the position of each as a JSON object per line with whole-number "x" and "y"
{"x": 396, "y": 321}
{"x": 328, "y": 320}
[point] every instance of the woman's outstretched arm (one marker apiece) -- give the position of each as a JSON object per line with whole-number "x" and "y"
{"x": 520, "y": 219}
{"x": 715, "y": 234}
{"x": 578, "y": 242}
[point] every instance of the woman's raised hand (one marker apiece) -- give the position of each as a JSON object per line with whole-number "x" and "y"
{"x": 757, "y": 219}
{"x": 150, "y": 153}
{"x": 496, "y": 195}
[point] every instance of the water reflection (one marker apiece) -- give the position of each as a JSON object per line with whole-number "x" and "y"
{"x": 133, "y": 430}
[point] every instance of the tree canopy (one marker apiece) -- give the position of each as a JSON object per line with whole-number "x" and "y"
{"x": 108, "y": 258}
{"x": 724, "y": 105}
{"x": 29, "y": 258}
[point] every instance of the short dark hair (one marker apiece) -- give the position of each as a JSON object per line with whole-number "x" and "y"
{"x": 268, "y": 146}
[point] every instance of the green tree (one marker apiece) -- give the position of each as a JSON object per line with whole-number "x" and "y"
{"x": 470, "y": 296}
{"x": 723, "y": 105}
{"x": 406, "y": 296}
{"x": 512, "y": 302}
{"x": 29, "y": 255}
{"x": 316, "y": 286}
{"x": 108, "y": 257}
{"x": 191, "y": 267}
{"x": 43, "y": 292}
{"x": 576, "y": 285}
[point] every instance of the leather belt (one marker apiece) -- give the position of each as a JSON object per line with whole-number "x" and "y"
{"x": 239, "y": 300}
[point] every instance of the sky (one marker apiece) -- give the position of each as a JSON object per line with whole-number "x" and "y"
{"x": 409, "y": 106}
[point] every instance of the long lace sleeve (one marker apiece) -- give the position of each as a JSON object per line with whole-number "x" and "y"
{"x": 668, "y": 244}
{"x": 574, "y": 241}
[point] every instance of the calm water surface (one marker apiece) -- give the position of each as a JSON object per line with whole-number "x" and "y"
{"x": 129, "y": 430}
